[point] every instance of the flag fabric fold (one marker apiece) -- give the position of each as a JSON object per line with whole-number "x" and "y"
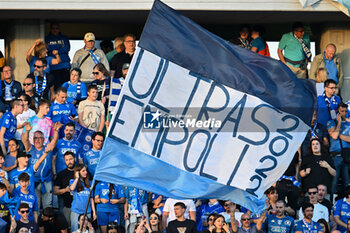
{"x": 199, "y": 117}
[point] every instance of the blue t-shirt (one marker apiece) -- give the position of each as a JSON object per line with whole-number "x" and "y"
{"x": 305, "y": 227}
{"x": 30, "y": 199}
{"x": 204, "y": 211}
{"x": 258, "y": 43}
{"x": 331, "y": 69}
{"x": 91, "y": 159}
{"x": 10, "y": 123}
{"x": 57, "y": 111}
{"x": 274, "y": 224}
{"x": 102, "y": 190}
{"x": 323, "y": 115}
{"x": 335, "y": 144}
{"x": 45, "y": 170}
{"x": 80, "y": 199}
{"x": 15, "y": 173}
{"x": 62, "y": 146}
{"x": 32, "y": 62}
{"x": 73, "y": 93}
{"x": 342, "y": 209}
{"x": 130, "y": 191}
{"x": 9, "y": 161}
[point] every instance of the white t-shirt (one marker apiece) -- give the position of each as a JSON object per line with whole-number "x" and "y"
{"x": 21, "y": 118}
{"x": 169, "y": 207}
{"x": 320, "y": 211}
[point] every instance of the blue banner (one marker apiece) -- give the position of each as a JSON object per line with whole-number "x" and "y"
{"x": 199, "y": 117}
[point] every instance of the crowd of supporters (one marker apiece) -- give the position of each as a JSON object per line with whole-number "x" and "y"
{"x": 46, "y": 174}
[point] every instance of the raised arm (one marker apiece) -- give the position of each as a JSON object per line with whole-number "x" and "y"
{"x": 41, "y": 159}
{"x": 56, "y": 60}
{"x": 25, "y": 137}
{"x": 29, "y": 55}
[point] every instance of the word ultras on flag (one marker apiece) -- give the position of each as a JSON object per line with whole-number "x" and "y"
{"x": 199, "y": 117}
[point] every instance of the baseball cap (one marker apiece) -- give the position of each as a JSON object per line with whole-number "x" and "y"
{"x": 21, "y": 154}
{"x": 125, "y": 66}
{"x": 89, "y": 36}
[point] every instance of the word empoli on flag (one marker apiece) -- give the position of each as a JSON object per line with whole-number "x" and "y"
{"x": 201, "y": 118}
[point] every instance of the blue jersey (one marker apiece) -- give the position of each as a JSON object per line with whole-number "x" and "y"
{"x": 102, "y": 190}
{"x": 15, "y": 173}
{"x": 57, "y": 111}
{"x": 136, "y": 198}
{"x": 62, "y": 146}
{"x": 10, "y": 123}
{"x": 203, "y": 212}
{"x": 323, "y": 115}
{"x": 80, "y": 199}
{"x": 345, "y": 131}
{"x": 274, "y": 224}
{"x": 91, "y": 159}
{"x": 342, "y": 210}
{"x": 30, "y": 199}
{"x": 335, "y": 144}
{"x": 44, "y": 172}
{"x": 76, "y": 91}
{"x": 305, "y": 227}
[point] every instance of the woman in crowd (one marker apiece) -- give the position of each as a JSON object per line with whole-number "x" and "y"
{"x": 11, "y": 157}
{"x": 219, "y": 225}
{"x": 87, "y": 227}
{"x": 102, "y": 81}
{"x": 317, "y": 167}
{"x": 80, "y": 187}
{"x": 24, "y": 117}
{"x": 40, "y": 51}
{"x": 155, "y": 223}
{"x": 324, "y": 224}
{"x": 76, "y": 90}
{"x": 107, "y": 199}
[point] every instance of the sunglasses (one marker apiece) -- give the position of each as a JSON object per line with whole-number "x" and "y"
{"x": 211, "y": 219}
{"x": 312, "y": 193}
{"x": 95, "y": 73}
{"x": 24, "y": 211}
{"x": 245, "y": 219}
{"x": 227, "y": 205}
{"x": 153, "y": 218}
{"x": 27, "y": 84}
{"x": 35, "y": 66}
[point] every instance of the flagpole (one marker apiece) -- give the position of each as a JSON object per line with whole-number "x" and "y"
{"x": 87, "y": 205}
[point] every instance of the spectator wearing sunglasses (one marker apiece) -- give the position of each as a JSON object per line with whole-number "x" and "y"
{"x": 204, "y": 210}
{"x": 155, "y": 223}
{"x": 23, "y": 211}
{"x": 319, "y": 210}
{"x": 247, "y": 225}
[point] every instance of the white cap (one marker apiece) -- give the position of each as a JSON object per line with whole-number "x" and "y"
{"x": 89, "y": 36}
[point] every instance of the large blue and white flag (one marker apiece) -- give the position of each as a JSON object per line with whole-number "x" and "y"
{"x": 199, "y": 117}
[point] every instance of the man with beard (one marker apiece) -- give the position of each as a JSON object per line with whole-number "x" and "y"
{"x": 279, "y": 222}
{"x": 44, "y": 83}
{"x": 63, "y": 145}
{"x": 306, "y": 225}
{"x": 61, "y": 186}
